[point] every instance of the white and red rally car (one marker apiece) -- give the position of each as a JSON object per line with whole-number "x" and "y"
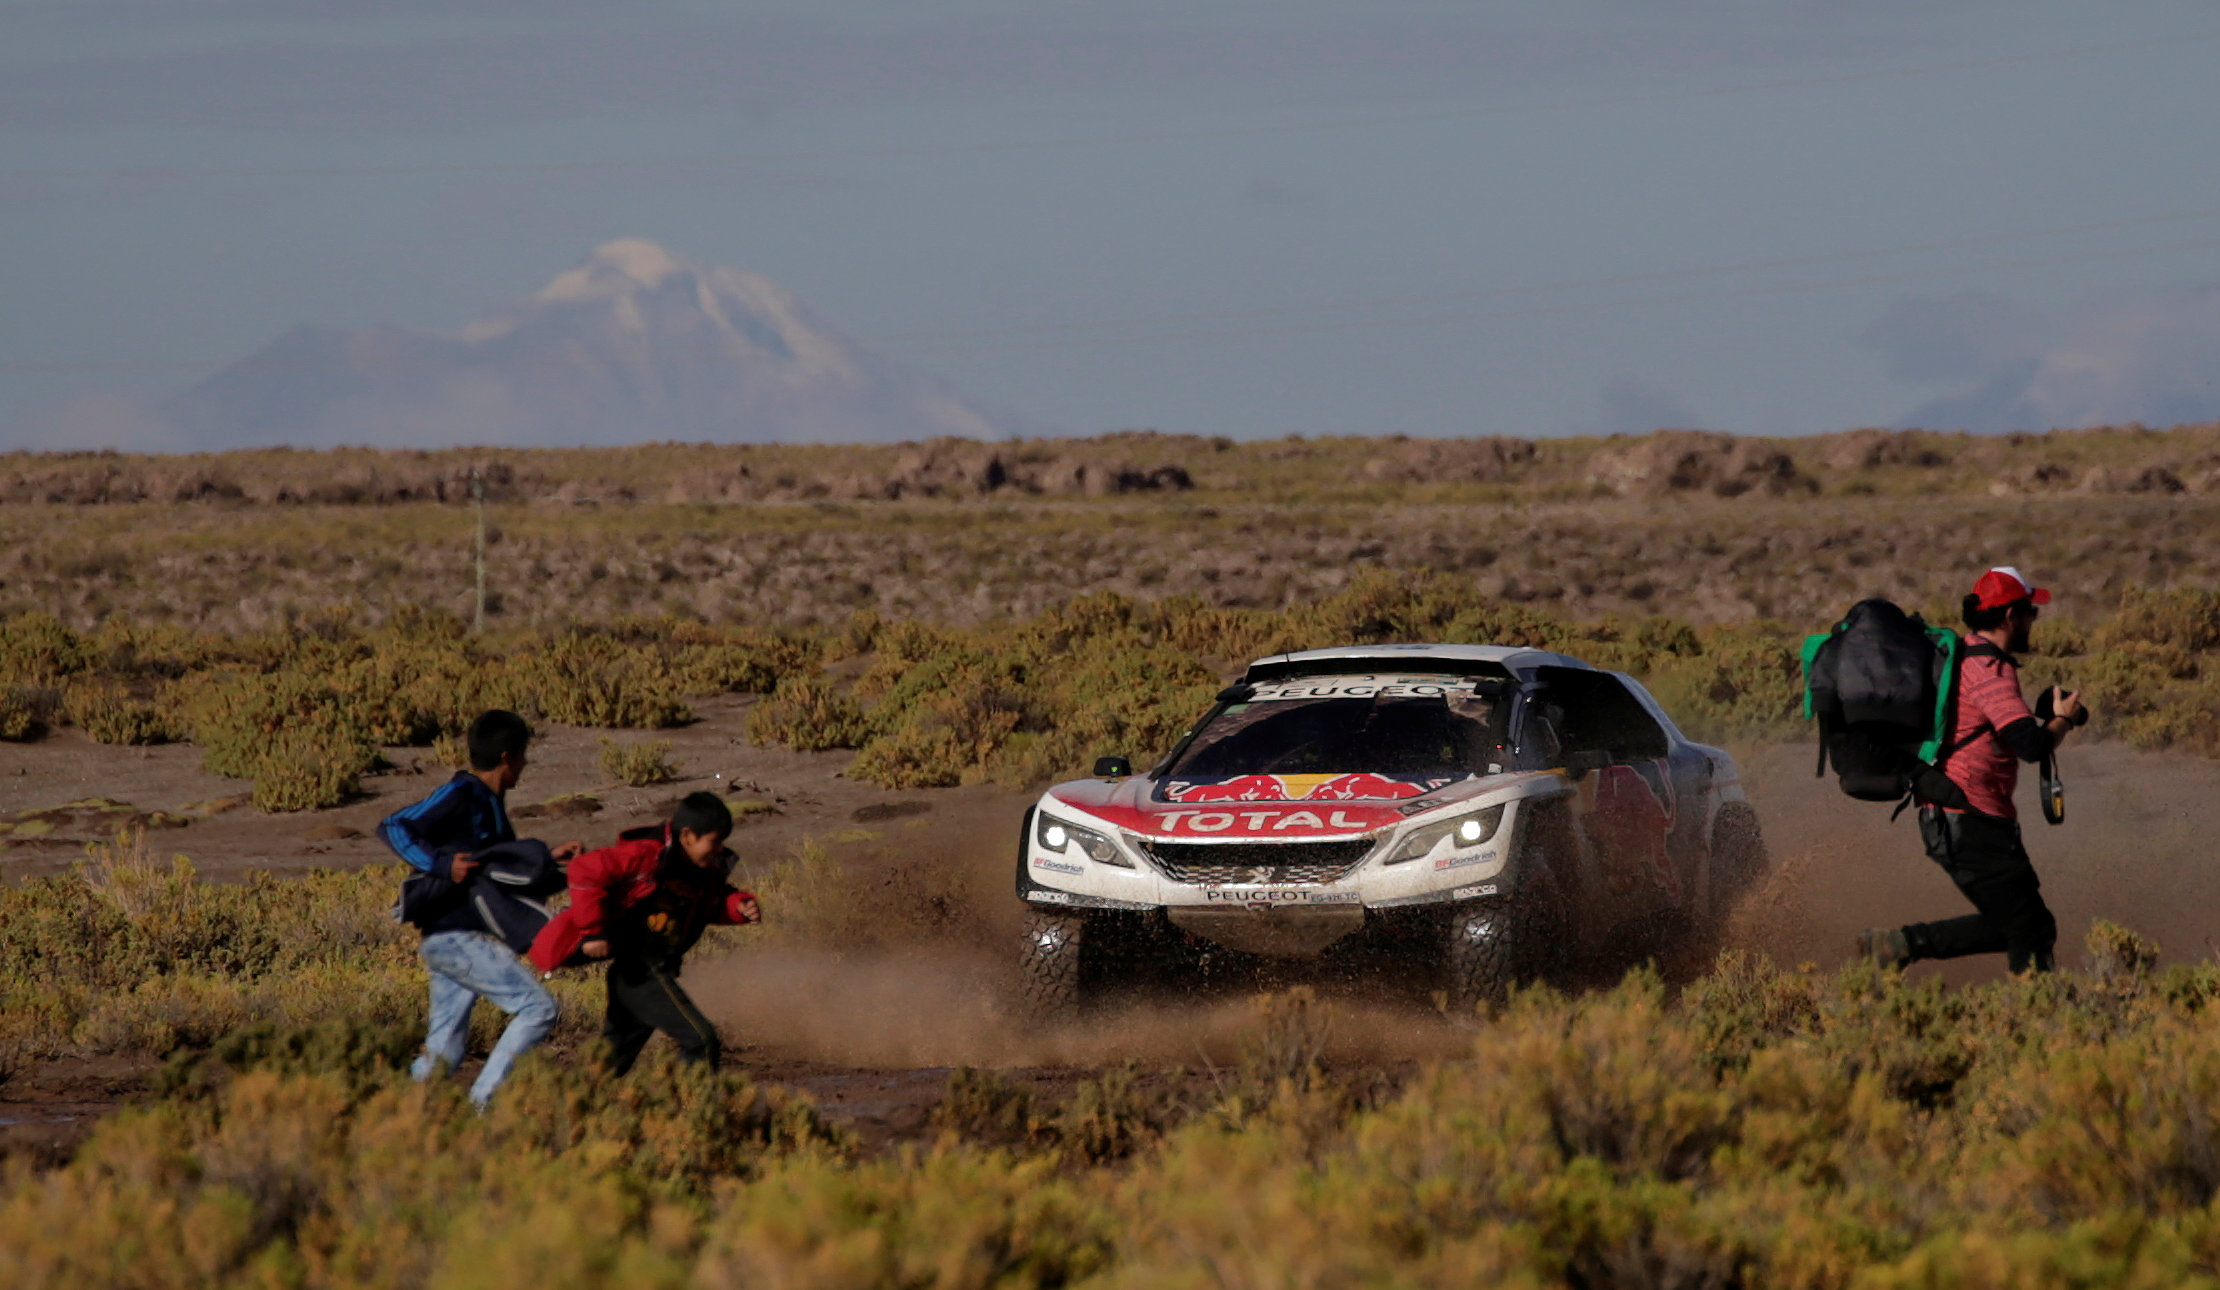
{"x": 1473, "y": 815}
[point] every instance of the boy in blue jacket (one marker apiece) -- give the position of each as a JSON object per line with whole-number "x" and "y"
{"x": 448, "y": 836}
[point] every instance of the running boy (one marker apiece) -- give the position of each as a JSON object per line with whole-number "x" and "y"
{"x": 641, "y": 904}
{"x": 449, "y": 836}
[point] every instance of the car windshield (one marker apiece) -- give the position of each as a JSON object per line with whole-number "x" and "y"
{"x": 1343, "y": 738}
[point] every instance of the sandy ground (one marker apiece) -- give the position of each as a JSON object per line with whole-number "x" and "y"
{"x": 2137, "y": 848}
{"x": 872, "y": 1030}
{"x": 808, "y": 791}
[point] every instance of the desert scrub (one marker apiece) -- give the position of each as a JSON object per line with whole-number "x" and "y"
{"x": 21, "y": 714}
{"x": 451, "y": 751}
{"x": 348, "y": 1178}
{"x": 304, "y": 708}
{"x": 1103, "y": 674}
{"x": 1751, "y": 1131}
{"x": 809, "y": 713}
{"x": 639, "y": 764}
{"x": 591, "y": 679}
{"x": 110, "y": 713}
{"x": 131, "y": 951}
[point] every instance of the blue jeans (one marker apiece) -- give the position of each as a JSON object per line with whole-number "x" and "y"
{"x": 465, "y": 965}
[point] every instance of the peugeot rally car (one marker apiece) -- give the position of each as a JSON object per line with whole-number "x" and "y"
{"x": 1476, "y": 815}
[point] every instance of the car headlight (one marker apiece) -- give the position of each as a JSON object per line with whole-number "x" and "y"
{"x": 1460, "y": 834}
{"x": 1059, "y": 835}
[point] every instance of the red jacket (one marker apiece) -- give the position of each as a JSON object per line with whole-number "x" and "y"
{"x": 610, "y": 885}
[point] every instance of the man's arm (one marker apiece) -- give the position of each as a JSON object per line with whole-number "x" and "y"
{"x": 2028, "y": 739}
{"x": 406, "y": 830}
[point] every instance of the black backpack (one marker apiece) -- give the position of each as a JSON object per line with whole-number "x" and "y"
{"x": 1883, "y": 686}
{"x": 511, "y": 888}
{"x": 508, "y": 892}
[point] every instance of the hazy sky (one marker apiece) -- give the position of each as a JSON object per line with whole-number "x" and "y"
{"x": 1213, "y": 216}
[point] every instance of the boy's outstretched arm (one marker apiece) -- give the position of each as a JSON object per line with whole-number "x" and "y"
{"x": 739, "y": 907}
{"x": 405, "y": 829}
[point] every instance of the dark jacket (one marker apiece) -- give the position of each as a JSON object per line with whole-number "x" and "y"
{"x": 462, "y": 816}
{"x": 645, "y": 898}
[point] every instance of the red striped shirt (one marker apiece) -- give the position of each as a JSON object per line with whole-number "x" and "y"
{"x": 1988, "y": 700}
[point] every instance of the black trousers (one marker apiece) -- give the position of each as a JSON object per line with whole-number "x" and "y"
{"x": 1984, "y": 855}
{"x": 644, "y": 997}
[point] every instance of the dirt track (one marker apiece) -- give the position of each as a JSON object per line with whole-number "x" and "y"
{"x": 2132, "y": 851}
{"x": 871, "y": 1005}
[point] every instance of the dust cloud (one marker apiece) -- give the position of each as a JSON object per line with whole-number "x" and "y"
{"x": 910, "y": 962}
{"x": 2137, "y": 848}
{"x": 907, "y": 958}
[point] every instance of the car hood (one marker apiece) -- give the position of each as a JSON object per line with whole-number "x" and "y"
{"x": 1132, "y": 805}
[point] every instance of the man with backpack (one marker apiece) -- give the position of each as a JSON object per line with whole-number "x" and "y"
{"x": 1967, "y": 821}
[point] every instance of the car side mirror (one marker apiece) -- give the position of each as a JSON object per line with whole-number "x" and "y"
{"x": 1112, "y": 767}
{"x": 1585, "y": 760}
{"x": 1239, "y": 692}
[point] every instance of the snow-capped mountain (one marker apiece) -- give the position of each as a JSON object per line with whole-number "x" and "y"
{"x": 633, "y": 344}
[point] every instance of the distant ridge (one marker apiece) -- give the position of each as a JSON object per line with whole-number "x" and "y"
{"x": 1484, "y": 471}
{"x": 634, "y": 344}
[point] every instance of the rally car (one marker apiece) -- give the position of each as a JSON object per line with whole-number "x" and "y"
{"x": 1473, "y": 816}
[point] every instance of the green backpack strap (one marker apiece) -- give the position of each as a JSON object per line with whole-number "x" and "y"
{"x": 1947, "y": 644}
{"x": 1811, "y": 652}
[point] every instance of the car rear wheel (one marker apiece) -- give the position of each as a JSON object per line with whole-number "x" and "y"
{"x": 1738, "y": 857}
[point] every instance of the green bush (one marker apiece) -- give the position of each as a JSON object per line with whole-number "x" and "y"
{"x": 1016, "y": 703}
{"x": 130, "y": 951}
{"x": 638, "y": 764}
{"x": 809, "y": 713}
{"x": 592, "y": 679}
{"x": 751, "y": 664}
{"x": 306, "y": 771}
{"x": 110, "y": 713}
{"x": 1606, "y": 1139}
{"x": 21, "y": 714}
{"x": 36, "y": 649}
{"x": 1802, "y": 1130}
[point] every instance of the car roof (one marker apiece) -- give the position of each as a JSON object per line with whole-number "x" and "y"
{"x": 1468, "y": 660}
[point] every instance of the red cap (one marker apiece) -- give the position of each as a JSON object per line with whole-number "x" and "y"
{"x": 2005, "y": 585}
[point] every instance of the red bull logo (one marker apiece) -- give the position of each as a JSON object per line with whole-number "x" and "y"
{"x": 1361, "y": 786}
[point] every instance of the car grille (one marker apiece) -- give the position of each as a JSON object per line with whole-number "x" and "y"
{"x": 1256, "y": 861}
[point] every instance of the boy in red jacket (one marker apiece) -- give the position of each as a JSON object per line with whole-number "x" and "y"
{"x": 641, "y": 904}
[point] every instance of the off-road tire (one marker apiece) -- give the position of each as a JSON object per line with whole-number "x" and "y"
{"x": 1052, "y": 980}
{"x": 1523, "y": 936}
{"x": 1482, "y": 955}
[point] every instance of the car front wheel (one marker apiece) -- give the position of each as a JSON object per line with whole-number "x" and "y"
{"x": 1051, "y": 963}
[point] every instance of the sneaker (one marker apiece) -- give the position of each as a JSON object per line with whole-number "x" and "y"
{"x": 1884, "y": 947}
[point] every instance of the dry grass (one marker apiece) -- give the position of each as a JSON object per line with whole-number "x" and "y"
{"x": 1579, "y": 527}
{"x": 305, "y": 710}
{"x": 638, "y": 764}
{"x": 1783, "y": 1129}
